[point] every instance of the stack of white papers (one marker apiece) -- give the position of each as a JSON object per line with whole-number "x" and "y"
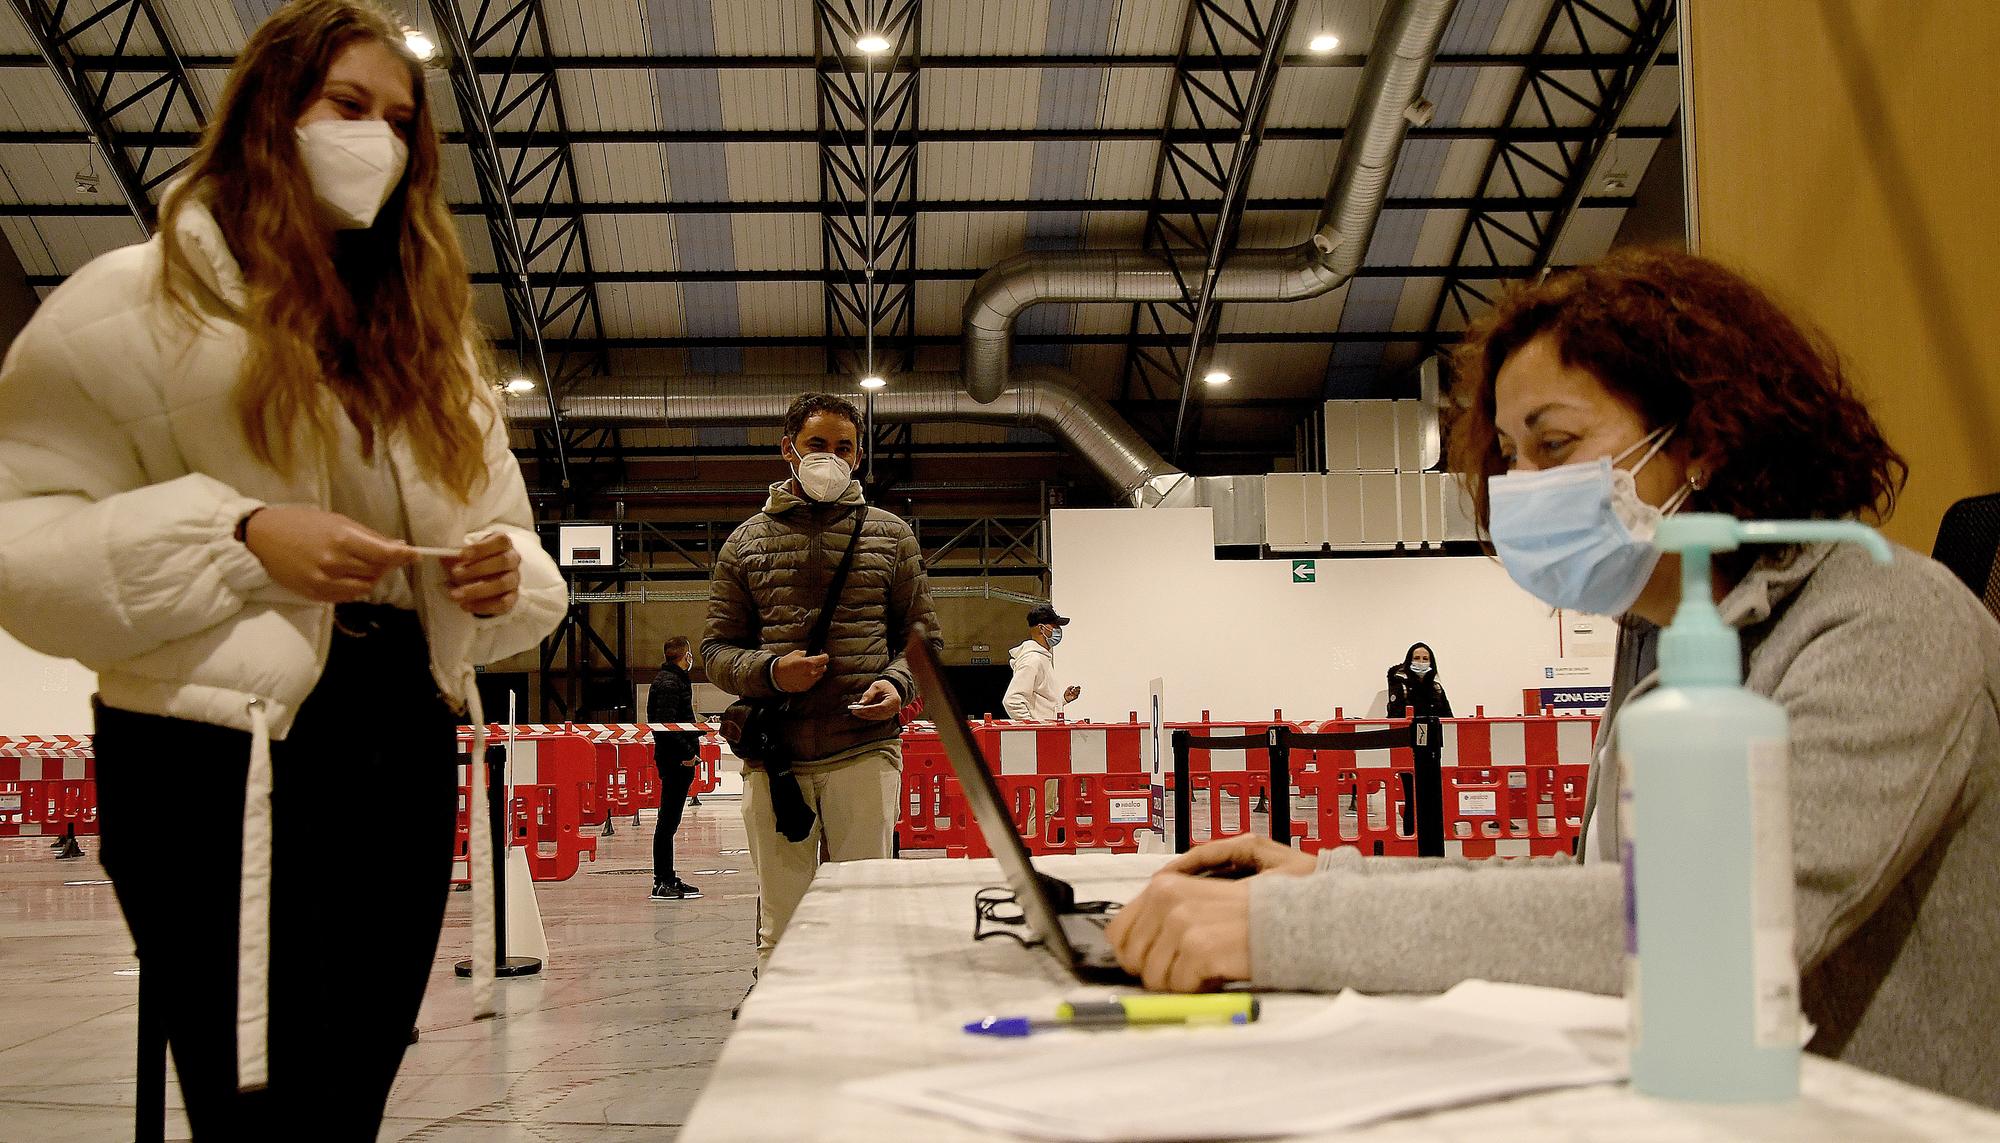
{"x": 1358, "y": 1060}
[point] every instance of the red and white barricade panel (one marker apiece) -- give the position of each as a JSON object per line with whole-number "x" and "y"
{"x": 934, "y": 815}
{"x": 48, "y": 783}
{"x": 554, "y": 773}
{"x": 1015, "y": 748}
{"x": 1357, "y": 798}
{"x": 1514, "y": 787}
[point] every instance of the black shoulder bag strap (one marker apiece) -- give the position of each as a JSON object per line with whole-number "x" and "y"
{"x": 823, "y": 626}
{"x": 788, "y": 802}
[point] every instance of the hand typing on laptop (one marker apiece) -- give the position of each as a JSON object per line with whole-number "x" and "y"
{"x": 1185, "y": 934}
{"x": 1241, "y": 856}
{"x": 1189, "y": 929}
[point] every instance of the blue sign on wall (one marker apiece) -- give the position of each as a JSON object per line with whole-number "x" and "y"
{"x": 1575, "y": 698}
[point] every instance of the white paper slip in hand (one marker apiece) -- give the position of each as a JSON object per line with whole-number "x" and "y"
{"x": 437, "y": 553}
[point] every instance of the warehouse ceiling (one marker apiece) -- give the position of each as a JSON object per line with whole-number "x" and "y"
{"x": 681, "y": 179}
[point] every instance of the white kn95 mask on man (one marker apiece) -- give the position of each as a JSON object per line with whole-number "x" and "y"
{"x": 354, "y": 165}
{"x": 823, "y": 476}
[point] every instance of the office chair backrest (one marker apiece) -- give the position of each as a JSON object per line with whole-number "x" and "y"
{"x": 1968, "y": 542}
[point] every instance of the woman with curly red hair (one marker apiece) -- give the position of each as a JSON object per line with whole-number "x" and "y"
{"x": 1653, "y": 381}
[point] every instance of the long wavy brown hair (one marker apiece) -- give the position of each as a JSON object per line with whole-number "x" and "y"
{"x": 1762, "y": 400}
{"x": 381, "y": 317}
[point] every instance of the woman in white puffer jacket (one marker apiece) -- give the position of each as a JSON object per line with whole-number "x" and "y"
{"x": 221, "y": 452}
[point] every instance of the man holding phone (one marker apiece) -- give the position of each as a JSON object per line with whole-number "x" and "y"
{"x": 839, "y": 721}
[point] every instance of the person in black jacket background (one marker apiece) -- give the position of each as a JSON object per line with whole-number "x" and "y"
{"x": 676, "y": 753}
{"x": 1414, "y": 690}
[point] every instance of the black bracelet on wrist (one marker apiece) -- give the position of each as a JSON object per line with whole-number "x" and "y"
{"x": 243, "y": 525}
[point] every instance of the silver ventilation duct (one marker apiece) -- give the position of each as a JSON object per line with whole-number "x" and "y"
{"x": 1390, "y": 99}
{"x": 1038, "y": 397}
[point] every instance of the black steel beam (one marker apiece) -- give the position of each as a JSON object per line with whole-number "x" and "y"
{"x": 1245, "y": 104}
{"x": 935, "y": 274}
{"x": 931, "y": 274}
{"x": 1232, "y": 62}
{"x": 1496, "y": 235}
{"x": 936, "y": 341}
{"x": 544, "y": 256}
{"x": 868, "y": 114}
{"x": 102, "y": 96}
{"x": 1179, "y": 137}
{"x": 921, "y": 206}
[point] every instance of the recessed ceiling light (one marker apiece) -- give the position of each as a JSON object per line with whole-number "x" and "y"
{"x": 520, "y": 385}
{"x": 872, "y": 43}
{"x": 1324, "y": 42}
{"x": 1216, "y": 377}
{"x": 873, "y": 383}
{"x": 419, "y": 44}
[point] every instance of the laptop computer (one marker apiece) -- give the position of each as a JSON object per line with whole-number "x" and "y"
{"x": 1075, "y": 939}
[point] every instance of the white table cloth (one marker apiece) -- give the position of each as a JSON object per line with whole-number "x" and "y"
{"x": 878, "y": 973}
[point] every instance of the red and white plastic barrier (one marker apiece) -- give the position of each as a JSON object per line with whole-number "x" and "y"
{"x": 554, "y": 773}
{"x": 48, "y": 783}
{"x": 1512, "y": 786}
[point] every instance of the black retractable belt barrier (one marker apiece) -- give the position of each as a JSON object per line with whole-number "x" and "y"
{"x": 1429, "y": 794}
{"x": 1183, "y": 799}
{"x": 1183, "y": 786}
{"x": 1278, "y": 742}
{"x": 1423, "y": 737}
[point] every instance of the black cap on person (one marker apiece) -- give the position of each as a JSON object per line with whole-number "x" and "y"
{"x": 1043, "y": 613}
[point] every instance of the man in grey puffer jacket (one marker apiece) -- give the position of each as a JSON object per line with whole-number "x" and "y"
{"x": 840, "y": 725}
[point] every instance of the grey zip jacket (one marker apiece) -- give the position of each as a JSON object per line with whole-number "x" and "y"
{"x": 1891, "y": 678}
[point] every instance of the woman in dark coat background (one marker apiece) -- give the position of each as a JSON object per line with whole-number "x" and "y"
{"x": 1414, "y": 690}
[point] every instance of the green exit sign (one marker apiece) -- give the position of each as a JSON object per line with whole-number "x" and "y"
{"x": 1305, "y": 571}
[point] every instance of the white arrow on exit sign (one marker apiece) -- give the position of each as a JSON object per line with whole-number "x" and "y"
{"x": 1305, "y": 571}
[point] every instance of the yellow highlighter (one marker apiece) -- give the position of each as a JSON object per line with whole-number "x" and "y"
{"x": 1203, "y": 1008}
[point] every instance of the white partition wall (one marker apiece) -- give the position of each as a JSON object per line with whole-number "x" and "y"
{"x": 40, "y": 695}
{"x": 1241, "y": 637}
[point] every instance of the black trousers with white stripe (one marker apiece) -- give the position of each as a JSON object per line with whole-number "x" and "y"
{"x": 364, "y": 799}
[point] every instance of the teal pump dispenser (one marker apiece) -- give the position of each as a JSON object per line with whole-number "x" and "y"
{"x": 1711, "y": 977}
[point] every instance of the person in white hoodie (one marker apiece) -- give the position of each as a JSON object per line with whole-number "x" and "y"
{"x": 1031, "y": 693}
{"x": 254, "y": 475}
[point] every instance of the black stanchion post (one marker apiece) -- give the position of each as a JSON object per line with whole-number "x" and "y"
{"x": 1429, "y": 752}
{"x": 1183, "y": 797}
{"x": 1279, "y": 747}
{"x": 497, "y": 794}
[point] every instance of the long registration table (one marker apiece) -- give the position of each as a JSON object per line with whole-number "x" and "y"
{"x": 879, "y": 971}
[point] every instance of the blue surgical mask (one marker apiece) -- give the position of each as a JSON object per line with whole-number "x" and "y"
{"x": 1577, "y": 536}
{"x": 1420, "y": 668}
{"x": 1055, "y": 636}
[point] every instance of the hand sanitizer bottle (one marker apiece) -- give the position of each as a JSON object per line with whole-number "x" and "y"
{"x": 1711, "y": 976}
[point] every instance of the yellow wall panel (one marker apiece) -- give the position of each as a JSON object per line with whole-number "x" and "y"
{"x": 1844, "y": 157}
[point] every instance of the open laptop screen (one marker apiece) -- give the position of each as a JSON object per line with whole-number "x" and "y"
{"x": 989, "y": 805}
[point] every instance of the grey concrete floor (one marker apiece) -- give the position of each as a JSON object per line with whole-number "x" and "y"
{"x": 613, "y": 1040}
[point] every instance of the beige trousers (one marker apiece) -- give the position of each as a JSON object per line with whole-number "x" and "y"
{"x": 854, "y": 803}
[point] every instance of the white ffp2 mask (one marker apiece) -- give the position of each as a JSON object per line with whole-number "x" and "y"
{"x": 354, "y": 165}
{"x": 823, "y": 476}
